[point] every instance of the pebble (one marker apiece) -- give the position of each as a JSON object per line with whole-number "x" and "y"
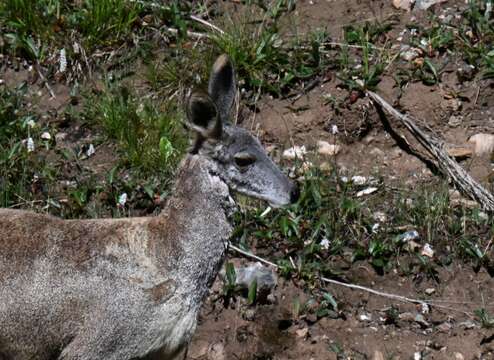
{"x": 367, "y": 191}
{"x": 459, "y": 356}
{"x": 430, "y": 291}
{"x": 265, "y": 278}
{"x": 455, "y": 120}
{"x": 444, "y": 327}
{"x": 302, "y": 333}
{"x": 327, "y": 149}
{"x": 427, "y": 251}
{"x": 295, "y": 152}
{"x": 408, "y": 236}
{"x": 484, "y": 143}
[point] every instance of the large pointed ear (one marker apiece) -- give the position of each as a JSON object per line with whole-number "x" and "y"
{"x": 202, "y": 116}
{"x": 222, "y": 85}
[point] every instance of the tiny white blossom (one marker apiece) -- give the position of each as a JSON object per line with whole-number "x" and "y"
{"x": 63, "y": 61}
{"x": 325, "y": 244}
{"x": 334, "y": 129}
{"x": 90, "y": 151}
{"x": 30, "y": 144}
{"x": 46, "y": 135}
{"x": 31, "y": 123}
{"x": 122, "y": 199}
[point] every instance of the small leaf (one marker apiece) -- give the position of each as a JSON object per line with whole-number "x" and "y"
{"x": 251, "y": 298}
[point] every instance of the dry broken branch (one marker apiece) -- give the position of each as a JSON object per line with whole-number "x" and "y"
{"x": 465, "y": 183}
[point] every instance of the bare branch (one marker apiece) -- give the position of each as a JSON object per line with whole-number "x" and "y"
{"x": 465, "y": 183}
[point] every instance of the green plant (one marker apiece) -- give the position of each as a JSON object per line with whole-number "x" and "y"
{"x": 150, "y": 135}
{"x": 98, "y": 20}
{"x": 486, "y": 320}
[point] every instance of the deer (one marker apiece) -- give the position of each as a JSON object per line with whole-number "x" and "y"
{"x": 132, "y": 288}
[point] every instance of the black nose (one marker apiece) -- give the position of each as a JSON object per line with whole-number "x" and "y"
{"x": 294, "y": 193}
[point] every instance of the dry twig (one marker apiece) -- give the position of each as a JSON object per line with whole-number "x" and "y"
{"x": 433, "y": 303}
{"x": 465, "y": 183}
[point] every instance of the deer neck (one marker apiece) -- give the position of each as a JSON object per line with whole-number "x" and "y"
{"x": 198, "y": 213}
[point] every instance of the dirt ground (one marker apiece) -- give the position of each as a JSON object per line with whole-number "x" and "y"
{"x": 272, "y": 331}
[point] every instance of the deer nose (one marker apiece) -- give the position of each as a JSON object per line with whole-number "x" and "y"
{"x": 294, "y": 193}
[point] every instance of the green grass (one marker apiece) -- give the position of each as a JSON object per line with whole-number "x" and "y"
{"x": 329, "y": 224}
{"x": 150, "y": 135}
{"x": 24, "y": 176}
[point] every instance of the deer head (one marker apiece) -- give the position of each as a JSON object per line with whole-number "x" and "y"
{"x": 240, "y": 159}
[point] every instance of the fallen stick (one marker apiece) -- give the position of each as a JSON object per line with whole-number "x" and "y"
{"x": 465, "y": 183}
{"x": 358, "y": 287}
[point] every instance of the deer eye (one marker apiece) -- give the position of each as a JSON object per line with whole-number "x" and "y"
{"x": 244, "y": 159}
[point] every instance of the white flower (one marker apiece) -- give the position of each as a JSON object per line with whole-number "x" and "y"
{"x": 122, "y": 199}
{"x": 31, "y": 123}
{"x": 62, "y": 61}
{"x": 30, "y": 144}
{"x": 90, "y": 151}
{"x": 46, "y": 135}
{"x": 324, "y": 244}
{"x": 334, "y": 129}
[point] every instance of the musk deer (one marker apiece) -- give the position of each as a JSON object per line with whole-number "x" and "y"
{"x": 132, "y": 288}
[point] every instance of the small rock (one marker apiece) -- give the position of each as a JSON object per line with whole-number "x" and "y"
{"x": 408, "y": 236}
{"x": 378, "y": 355}
{"x": 427, "y": 251}
{"x": 451, "y": 105}
{"x": 249, "y": 314}
{"x": 403, "y": 4}
{"x": 296, "y": 152}
{"x": 367, "y": 191}
{"x": 419, "y": 319}
{"x": 410, "y": 54}
{"x": 430, "y": 291}
{"x": 425, "y": 4}
{"x": 359, "y": 180}
{"x": 484, "y": 144}
{"x": 468, "y": 325}
{"x": 459, "y": 356}
{"x": 327, "y": 149}
{"x": 266, "y": 279}
{"x": 365, "y": 317}
{"x": 444, "y": 327}
{"x": 302, "y": 333}
{"x": 455, "y": 120}
{"x": 380, "y": 216}
{"x": 406, "y": 316}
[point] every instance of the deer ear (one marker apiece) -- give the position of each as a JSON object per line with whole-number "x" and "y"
{"x": 222, "y": 85}
{"x": 203, "y": 117}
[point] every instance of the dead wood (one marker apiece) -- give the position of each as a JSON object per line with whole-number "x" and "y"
{"x": 435, "y": 147}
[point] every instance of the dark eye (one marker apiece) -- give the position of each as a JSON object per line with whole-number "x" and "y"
{"x": 244, "y": 159}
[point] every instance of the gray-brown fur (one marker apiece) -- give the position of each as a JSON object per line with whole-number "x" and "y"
{"x": 130, "y": 288}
